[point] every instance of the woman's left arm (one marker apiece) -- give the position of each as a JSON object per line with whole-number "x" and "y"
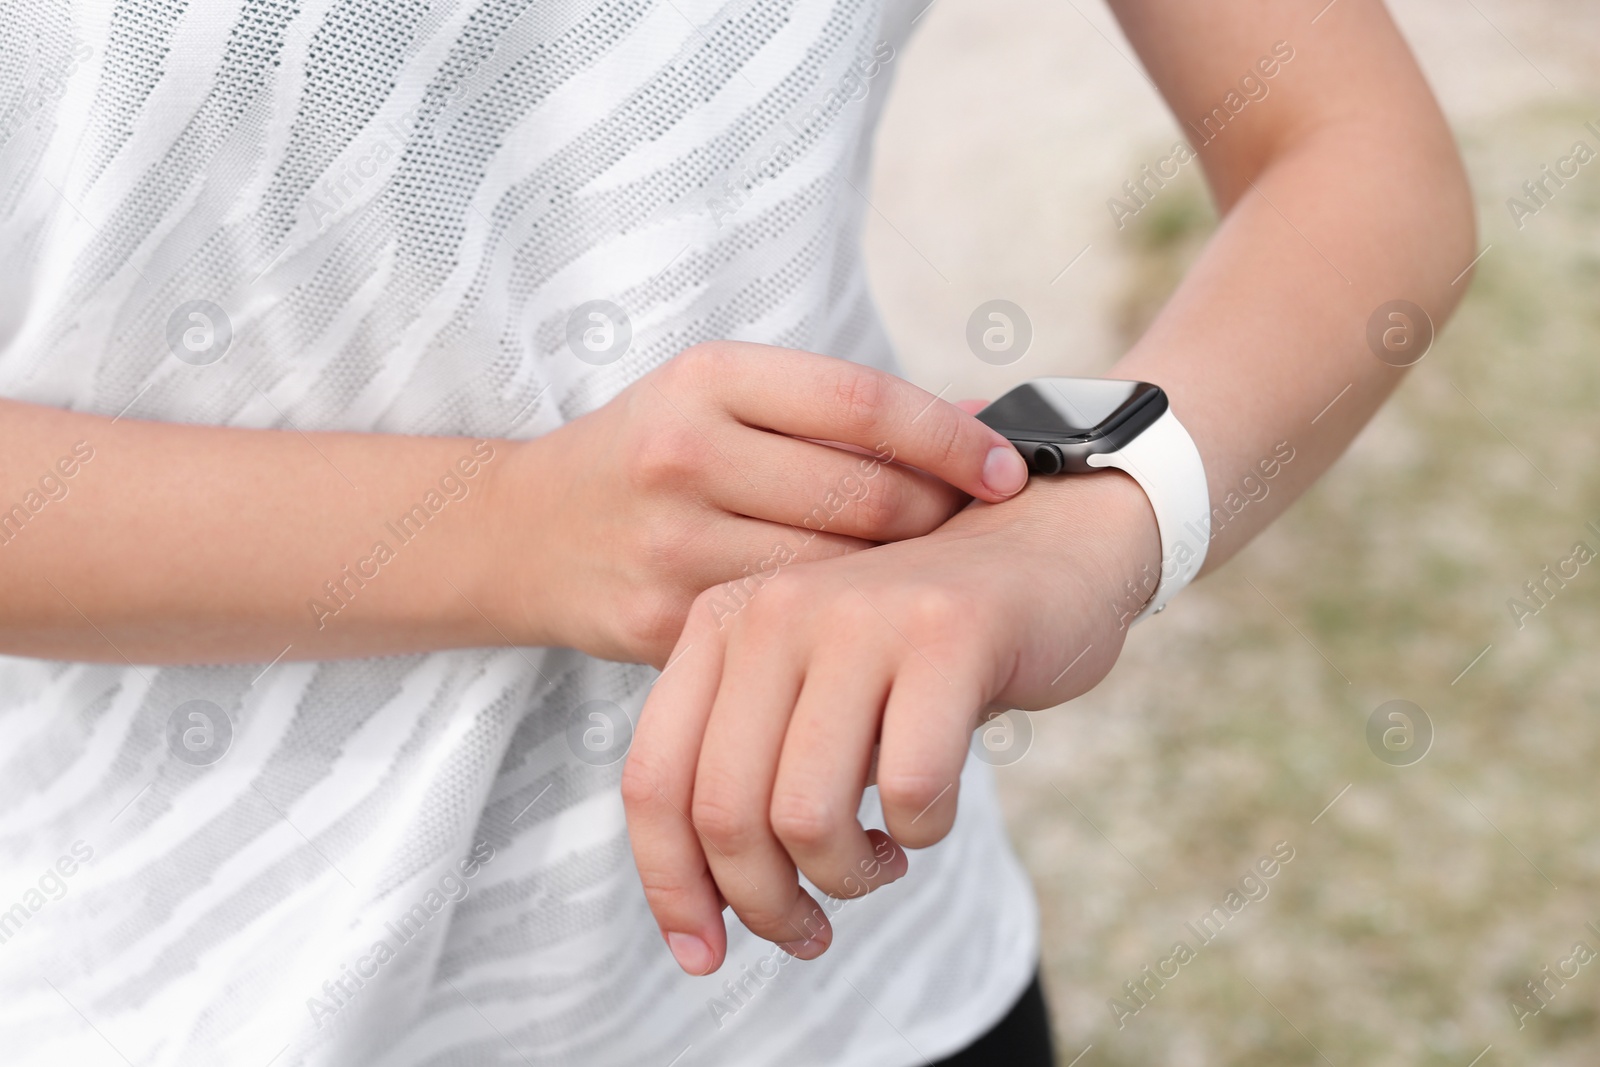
{"x": 1341, "y": 191}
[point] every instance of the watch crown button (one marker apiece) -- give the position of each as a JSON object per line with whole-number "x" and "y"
{"x": 1047, "y": 459}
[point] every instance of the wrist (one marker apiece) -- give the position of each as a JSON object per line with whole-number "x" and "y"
{"x": 1105, "y": 521}
{"x": 509, "y": 551}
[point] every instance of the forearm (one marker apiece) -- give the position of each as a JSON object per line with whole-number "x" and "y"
{"x": 1263, "y": 347}
{"x": 1341, "y": 190}
{"x": 173, "y": 543}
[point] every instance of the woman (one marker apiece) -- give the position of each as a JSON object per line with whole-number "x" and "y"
{"x": 382, "y": 414}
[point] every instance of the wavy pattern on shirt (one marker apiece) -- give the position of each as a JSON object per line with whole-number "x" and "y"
{"x": 398, "y": 204}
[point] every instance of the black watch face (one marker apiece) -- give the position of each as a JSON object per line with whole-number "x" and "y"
{"x": 1058, "y": 409}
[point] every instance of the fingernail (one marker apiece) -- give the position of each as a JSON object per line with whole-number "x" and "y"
{"x": 692, "y": 954}
{"x": 809, "y": 949}
{"x": 1004, "y": 471}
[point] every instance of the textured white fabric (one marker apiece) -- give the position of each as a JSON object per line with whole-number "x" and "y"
{"x": 396, "y": 206}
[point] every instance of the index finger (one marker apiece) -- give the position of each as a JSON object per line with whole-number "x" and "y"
{"x": 835, "y": 400}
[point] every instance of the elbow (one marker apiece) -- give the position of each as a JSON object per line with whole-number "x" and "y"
{"x": 1409, "y": 175}
{"x": 1456, "y": 218}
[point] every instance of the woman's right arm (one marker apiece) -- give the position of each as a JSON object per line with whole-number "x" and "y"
{"x": 146, "y": 542}
{"x": 154, "y": 542}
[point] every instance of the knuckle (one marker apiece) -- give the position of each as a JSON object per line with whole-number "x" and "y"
{"x": 895, "y": 498}
{"x": 911, "y": 793}
{"x": 696, "y": 361}
{"x": 861, "y": 396}
{"x": 710, "y": 598}
{"x": 936, "y": 609}
{"x": 667, "y": 896}
{"x": 670, "y": 458}
{"x": 720, "y": 606}
{"x": 771, "y": 918}
{"x": 880, "y": 506}
{"x": 769, "y": 610}
{"x": 838, "y": 879}
{"x": 640, "y": 785}
{"x": 781, "y": 599}
{"x": 947, "y": 438}
{"x": 691, "y": 356}
{"x": 720, "y": 817}
{"x": 801, "y": 820}
{"x": 727, "y": 607}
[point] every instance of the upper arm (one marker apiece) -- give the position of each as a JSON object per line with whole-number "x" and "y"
{"x": 1250, "y": 80}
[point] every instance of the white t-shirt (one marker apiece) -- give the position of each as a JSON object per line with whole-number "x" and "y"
{"x": 399, "y": 216}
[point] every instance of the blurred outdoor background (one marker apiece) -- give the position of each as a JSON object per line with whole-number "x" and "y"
{"x": 1422, "y": 899}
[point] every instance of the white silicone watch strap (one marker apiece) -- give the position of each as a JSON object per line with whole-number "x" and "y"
{"x": 1166, "y": 464}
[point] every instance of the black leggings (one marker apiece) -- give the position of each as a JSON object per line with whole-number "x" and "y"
{"x": 1021, "y": 1039}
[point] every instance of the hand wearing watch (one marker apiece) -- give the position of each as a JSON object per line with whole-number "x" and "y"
{"x": 1078, "y": 425}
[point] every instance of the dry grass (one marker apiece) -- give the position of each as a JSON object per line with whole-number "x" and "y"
{"x": 1420, "y": 902}
{"x": 1427, "y": 894}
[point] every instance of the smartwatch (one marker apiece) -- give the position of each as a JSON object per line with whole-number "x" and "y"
{"x": 1078, "y": 425}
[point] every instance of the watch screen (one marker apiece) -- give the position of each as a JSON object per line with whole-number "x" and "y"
{"x": 1065, "y": 407}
